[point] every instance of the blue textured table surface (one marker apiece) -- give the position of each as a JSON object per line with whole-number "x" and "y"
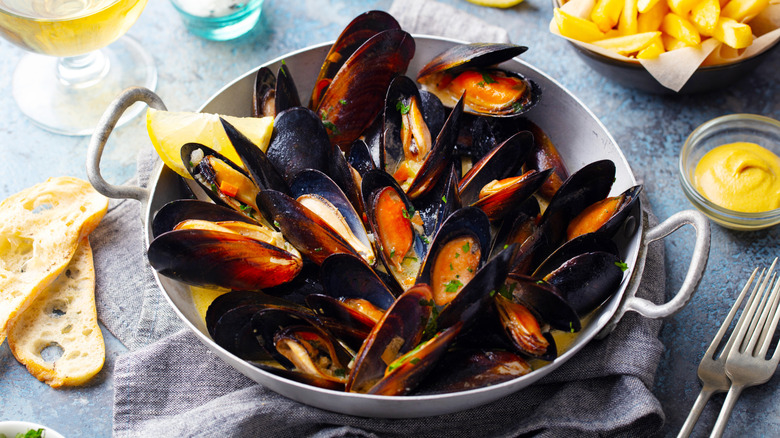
{"x": 650, "y": 129}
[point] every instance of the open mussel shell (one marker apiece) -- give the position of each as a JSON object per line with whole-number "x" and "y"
{"x": 587, "y": 280}
{"x": 524, "y": 329}
{"x": 180, "y": 210}
{"x": 517, "y": 228}
{"x": 456, "y": 254}
{"x": 307, "y": 379}
{"x": 398, "y": 332}
{"x": 356, "y": 94}
{"x": 391, "y": 214}
{"x": 605, "y": 216}
{"x": 228, "y": 321}
{"x": 198, "y": 160}
{"x": 299, "y": 142}
{"x": 506, "y": 201}
{"x": 322, "y": 196}
{"x": 286, "y": 92}
{"x": 469, "y": 68}
{"x": 292, "y": 337}
{"x": 466, "y": 369}
{"x": 544, "y": 300}
{"x": 503, "y": 161}
{"x": 405, "y": 373}
{"x": 357, "y": 32}
{"x": 264, "y": 96}
{"x": 472, "y": 300}
{"x": 219, "y": 259}
{"x": 359, "y": 157}
{"x": 347, "y": 178}
{"x": 588, "y": 185}
{"x": 303, "y": 228}
{"x": 262, "y": 170}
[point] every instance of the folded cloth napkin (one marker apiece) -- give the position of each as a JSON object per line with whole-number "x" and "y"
{"x": 177, "y": 387}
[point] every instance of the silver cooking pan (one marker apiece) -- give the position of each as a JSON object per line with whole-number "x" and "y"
{"x": 580, "y": 138}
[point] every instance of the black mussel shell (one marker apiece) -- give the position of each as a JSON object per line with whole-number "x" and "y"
{"x": 345, "y": 177}
{"x": 587, "y": 280}
{"x": 263, "y": 172}
{"x": 475, "y": 54}
{"x": 466, "y": 369}
{"x": 286, "y": 91}
{"x": 360, "y": 158}
{"x": 439, "y": 203}
{"x": 591, "y": 242}
{"x": 299, "y": 142}
{"x": 264, "y": 97}
{"x": 348, "y": 276}
{"x": 544, "y": 301}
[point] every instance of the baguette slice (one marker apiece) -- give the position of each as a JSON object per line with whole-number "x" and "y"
{"x": 40, "y": 228}
{"x": 63, "y": 318}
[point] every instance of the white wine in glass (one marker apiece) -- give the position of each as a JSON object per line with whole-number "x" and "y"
{"x": 71, "y": 76}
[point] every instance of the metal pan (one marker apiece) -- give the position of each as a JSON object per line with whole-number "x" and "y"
{"x": 581, "y": 139}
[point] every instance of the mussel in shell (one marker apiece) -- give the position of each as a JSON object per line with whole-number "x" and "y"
{"x": 470, "y": 70}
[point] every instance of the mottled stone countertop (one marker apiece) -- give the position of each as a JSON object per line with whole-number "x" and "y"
{"x": 650, "y": 129}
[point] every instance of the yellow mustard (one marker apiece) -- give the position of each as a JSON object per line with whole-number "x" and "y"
{"x": 740, "y": 176}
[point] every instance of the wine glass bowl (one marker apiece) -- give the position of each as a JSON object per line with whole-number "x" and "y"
{"x": 67, "y": 90}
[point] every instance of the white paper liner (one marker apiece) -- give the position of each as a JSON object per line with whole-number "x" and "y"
{"x": 673, "y": 69}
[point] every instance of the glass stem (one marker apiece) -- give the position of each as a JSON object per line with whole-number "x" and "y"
{"x": 82, "y": 71}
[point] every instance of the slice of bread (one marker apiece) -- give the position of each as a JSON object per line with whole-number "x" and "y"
{"x": 62, "y": 321}
{"x": 40, "y": 228}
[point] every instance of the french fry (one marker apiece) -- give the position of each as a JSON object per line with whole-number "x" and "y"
{"x": 682, "y": 7}
{"x": 744, "y": 10}
{"x": 576, "y": 28}
{"x": 704, "y": 16}
{"x": 645, "y": 5}
{"x": 606, "y": 13}
{"x": 628, "y": 24}
{"x": 653, "y": 50}
{"x": 672, "y": 43}
{"x": 628, "y": 43}
{"x": 732, "y": 33}
{"x": 652, "y": 19}
{"x": 680, "y": 28}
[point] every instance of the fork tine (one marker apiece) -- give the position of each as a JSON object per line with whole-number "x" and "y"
{"x": 759, "y": 318}
{"x": 727, "y": 321}
{"x": 770, "y": 329}
{"x": 758, "y": 313}
{"x": 746, "y": 318}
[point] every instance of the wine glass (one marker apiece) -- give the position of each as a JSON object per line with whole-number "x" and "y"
{"x": 67, "y": 91}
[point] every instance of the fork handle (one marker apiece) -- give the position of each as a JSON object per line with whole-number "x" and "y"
{"x": 725, "y": 411}
{"x": 698, "y": 407}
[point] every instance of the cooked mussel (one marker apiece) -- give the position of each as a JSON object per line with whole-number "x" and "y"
{"x": 470, "y": 69}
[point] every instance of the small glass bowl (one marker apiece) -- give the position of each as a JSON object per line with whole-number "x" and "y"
{"x": 761, "y": 130}
{"x": 219, "y": 20}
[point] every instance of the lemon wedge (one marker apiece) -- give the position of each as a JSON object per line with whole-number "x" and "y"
{"x": 169, "y": 131}
{"x": 496, "y": 3}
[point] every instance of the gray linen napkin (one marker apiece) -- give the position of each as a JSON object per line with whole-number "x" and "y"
{"x": 177, "y": 387}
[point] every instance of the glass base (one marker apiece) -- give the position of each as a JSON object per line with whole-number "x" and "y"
{"x": 74, "y": 109}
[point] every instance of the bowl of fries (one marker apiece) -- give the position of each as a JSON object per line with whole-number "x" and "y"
{"x": 670, "y": 46}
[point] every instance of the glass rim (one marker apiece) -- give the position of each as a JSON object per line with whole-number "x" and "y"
{"x": 6, "y": 11}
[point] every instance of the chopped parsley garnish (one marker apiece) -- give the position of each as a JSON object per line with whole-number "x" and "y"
{"x": 540, "y": 282}
{"x": 425, "y": 239}
{"x": 451, "y": 268}
{"x": 457, "y": 254}
{"x": 403, "y": 109}
{"x": 331, "y": 127}
{"x": 244, "y": 207}
{"x": 622, "y": 265}
{"x": 571, "y": 326}
{"x": 452, "y": 286}
{"x": 407, "y": 213}
{"x": 282, "y": 71}
{"x": 343, "y": 101}
{"x": 340, "y": 372}
{"x": 481, "y": 84}
{"x": 466, "y": 247}
{"x": 518, "y": 106}
{"x": 444, "y": 199}
{"x": 318, "y": 249}
{"x": 469, "y": 269}
{"x": 192, "y": 164}
{"x": 488, "y": 79}
{"x": 506, "y": 246}
{"x": 214, "y": 188}
{"x": 427, "y": 302}
{"x": 392, "y": 253}
{"x": 492, "y": 292}
{"x": 415, "y": 361}
{"x": 283, "y": 63}
{"x": 506, "y": 292}
{"x": 412, "y": 258}
{"x": 277, "y": 224}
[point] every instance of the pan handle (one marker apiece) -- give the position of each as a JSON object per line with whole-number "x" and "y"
{"x": 104, "y": 128}
{"x": 701, "y": 251}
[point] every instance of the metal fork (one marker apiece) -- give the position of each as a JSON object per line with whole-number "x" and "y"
{"x": 712, "y": 370}
{"x": 747, "y": 364}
